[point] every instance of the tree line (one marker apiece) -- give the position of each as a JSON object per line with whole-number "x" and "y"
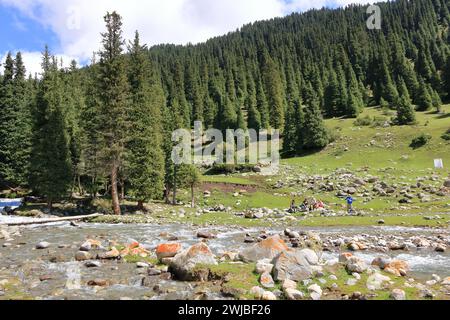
{"x": 107, "y": 127}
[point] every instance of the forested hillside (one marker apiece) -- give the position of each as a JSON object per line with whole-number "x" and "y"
{"x": 96, "y": 127}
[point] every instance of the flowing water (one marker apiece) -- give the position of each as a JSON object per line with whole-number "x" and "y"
{"x": 66, "y": 278}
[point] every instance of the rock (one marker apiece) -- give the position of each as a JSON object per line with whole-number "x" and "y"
{"x": 398, "y": 294}
{"x": 82, "y": 256}
{"x": 446, "y": 282}
{"x": 289, "y": 284}
{"x": 184, "y": 264}
{"x": 351, "y": 282}
{"x": 266, "y": 249}
{"x": 93, "y": 264}
{"x": 398, "y": 268}
{"x": 168, "y": 250}
{"x": 345, "y": 257}
{"x": 380, "y": 262}
{"x": 229, "y": 256}
{"x": 205, "y": 235}
{"x": 141, "y": 265}
{"x": 154, "y": 272}
{"x": 86, "y": 246}
{"x": 266, "y": 280}
{"x": 112, "y": 254}
{"x": 440, "y": 248}
{"x": 293, "y": 294}
{"x": 268, "y": 296}
{"x": 376, "y": 280}
{"x": 258, "y": 292}
{"x": 447, "y": 183}
{"x": 381, "y": 222}
{"x": 98, "y": 283}
{"x": 355, "y": 264}
{"x": 42, "y": 245}
{"x": 264, "y": 266}
{"x": 295, "y": 265}
{"x": 315, "y": 292}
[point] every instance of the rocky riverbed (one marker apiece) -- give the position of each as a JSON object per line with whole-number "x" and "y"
{"x": 140, "y": 261}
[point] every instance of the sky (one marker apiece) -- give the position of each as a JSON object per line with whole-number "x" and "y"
{"x": 71, "y": 28}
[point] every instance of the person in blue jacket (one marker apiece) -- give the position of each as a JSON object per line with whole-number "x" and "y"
{"x": 350, "y": 201}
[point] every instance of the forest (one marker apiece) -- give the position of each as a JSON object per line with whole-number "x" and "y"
{"x": 106, "y": 127}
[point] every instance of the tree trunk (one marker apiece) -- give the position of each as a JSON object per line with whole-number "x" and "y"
{"x": 192, "y": 197}
{"x": 174, "y": 201}
{"x": 50, "y": 205}
{"x": 114, "y": 193}
{"x": 140, "y": 206}
{"x": 122, "y": 190}
{"x": 167, "y": 194}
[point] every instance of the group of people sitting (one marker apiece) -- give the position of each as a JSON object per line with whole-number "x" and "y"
{"x": 310, "y": 204}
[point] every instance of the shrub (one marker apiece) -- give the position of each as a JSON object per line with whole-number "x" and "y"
{"x": 379, "y": 121}
{"x": 364, "y": 121}
{"x": 420, "y": 141}
{"x": 446, "y": 136}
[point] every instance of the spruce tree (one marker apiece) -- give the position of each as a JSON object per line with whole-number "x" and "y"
{"x": 51, "y": 167}
{"x": 114, "y": 99}
{"x": 405, "y": 110}
{"x": 145, "y": 161}
{"x": 314, "y": 133}
{"x": 424, "y": 101}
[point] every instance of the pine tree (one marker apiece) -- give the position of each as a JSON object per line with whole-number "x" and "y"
{"x": 314, "y": 133}
{"x": 113, "y": 89}
{"x": 405, "y": 111}
{"x": 424, "y": 101}
{"x": 262, "y": 105}
{"x": 145, "y": 161}
{"x": 51, "y": 167}
{"x": 254, "y": 116}
{"x": 274, "y": 91}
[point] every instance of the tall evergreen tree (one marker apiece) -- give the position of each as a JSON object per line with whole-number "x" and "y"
{"x": 314, "y": 133}
{"x": 114, "y": 99}
{"x": 405, "y": 111}
{"x": 145, "y": 162}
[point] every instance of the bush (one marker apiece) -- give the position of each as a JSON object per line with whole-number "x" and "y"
{"x": 420, "y": 141}
{"x": 364, "y": 121}
{"x": 230, "y": 169}
{"x": 446, "y": 136}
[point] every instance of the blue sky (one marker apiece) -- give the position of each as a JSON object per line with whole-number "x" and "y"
{"x": 71, "y": 27}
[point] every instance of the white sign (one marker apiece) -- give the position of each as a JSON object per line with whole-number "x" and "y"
{"x": 438, "y": 164}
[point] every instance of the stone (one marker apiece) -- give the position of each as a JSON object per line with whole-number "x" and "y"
{"x": 380, "y": 262}
{"x": 82, "y": 256}
{"x": 93, "y": 264}
{"x": 376, "y": 280}
{"x": 269, "y": 248}
{"x": 269, "y": 296}
{"x": 315, "y": 292}
{"x": 184, "y": 264}
{"x": 205, "y": 235}
{"x": 345, "y": 257}
{"x": 398, "y": 268}
{"x": 289, "y": 284}
{"x": 266, "y": 280}
{"x": 98, "y": 283}
{"x": 42, "y": 245}
{"x": 293, "y": 294}
{"x": 398, "y": 294}
{"x": 351, "y": 282}
{"x": 355, "y": 264}
{"x": 167, "y": 250}
{"x": 440, "y": 248}
{"x": 446, "y": 282}
{"x": 141, "y": 265}
{"x": 447, "y": 183}
{"x": 112, "y": 254}
{"x": 264, "y": 266}
{"x": 154, "y": 272}
{"x": 258, "y": 292}
{"x": 296, "y": 265}
{"x": 86, "y": 246}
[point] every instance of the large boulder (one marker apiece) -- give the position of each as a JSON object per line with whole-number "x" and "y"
{"x": 296, "y": 265}
{"x": 167, "y": 250}
{"x": 266, "y": 249}
{"x": 183, "y": 266}
{"x": 398, "y": 268}
{"x": 355, "y": 265}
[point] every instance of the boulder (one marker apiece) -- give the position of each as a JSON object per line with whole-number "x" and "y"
{"x": 258, "y": 292}
{"x": 355, "y": 264}
{"x": 184, "y": 264}
{"x": 293, "y": 294}
{"x": 269, "y": 296}
{"x": 269, "y": 248}
{"x": 398, "y": 294}
{"x": 380, "y": 262}
{"x": 398, "y": 268}
{"x": 264, "y": 266}
{"x": 344, "y": 257}
{"x": 289, "y": 284}
{"x": 205, "y": 235}
{"x": 82, "y": 256}
{"x": 315, "y": 292}
{"x": 296, "y": 265}
{"x": 112, "y": 254}
{"x": 376, "y": 280}
{"x": 447, "y": 183}
{"x": 168, "y": 250}
{"x": 93, "y": 264}
{"x": 42, "y": 245}
{"x": 266, "y": 280}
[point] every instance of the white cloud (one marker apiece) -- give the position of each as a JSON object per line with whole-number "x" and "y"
{"x": 78, "y": 23}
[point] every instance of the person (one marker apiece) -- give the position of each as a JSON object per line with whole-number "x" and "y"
{"x": 350, "y": 201}
{"x": 293, "y": 208}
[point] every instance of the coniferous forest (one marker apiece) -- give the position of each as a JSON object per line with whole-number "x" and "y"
{"x": 107, "y": 126}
